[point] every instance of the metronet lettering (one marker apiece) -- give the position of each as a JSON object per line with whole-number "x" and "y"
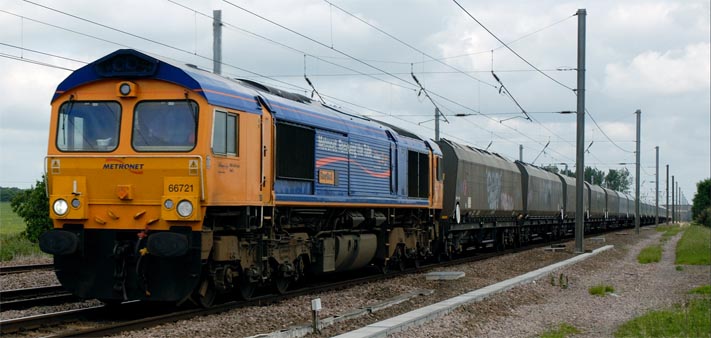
{"x": 126, "y": 166}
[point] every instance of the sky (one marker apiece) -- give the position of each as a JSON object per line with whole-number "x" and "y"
{"x": 651, "y": 55}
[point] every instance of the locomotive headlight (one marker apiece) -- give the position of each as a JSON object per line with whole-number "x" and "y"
{"x": 185, "y": 208}
{"x": 168, "y": 204}
{"x": 76, "y": 203}
{"x": 60, "y": 207}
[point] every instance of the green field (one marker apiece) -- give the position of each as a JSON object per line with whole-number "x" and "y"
{"x": 10, "y": 223}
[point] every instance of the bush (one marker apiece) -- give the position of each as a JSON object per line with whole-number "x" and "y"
{"x": 704, "y": 217}
{"x": 33, "y": 206}
{"x": 702, "y": 202}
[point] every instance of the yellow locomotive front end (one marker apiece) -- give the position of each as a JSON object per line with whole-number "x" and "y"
{"x": 125, "y": 179}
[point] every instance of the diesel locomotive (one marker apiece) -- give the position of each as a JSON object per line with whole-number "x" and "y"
{"x": 168, "y": 183}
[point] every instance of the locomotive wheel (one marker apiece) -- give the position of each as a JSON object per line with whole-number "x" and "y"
{"x": 398, "y": 259}
{"x": 384, "y": 267}
{"x": 281, "y": 284}
{"x": 246, "y": 289}
{"x": 206, "y": 293}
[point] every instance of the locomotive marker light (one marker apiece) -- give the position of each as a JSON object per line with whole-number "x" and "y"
{"x": 168, "y": 204}
{"x": 76, "y": 203}
{"x": 127, "y": 89}
{"x": 60, "y": 207}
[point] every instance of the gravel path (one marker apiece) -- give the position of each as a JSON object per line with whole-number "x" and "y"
{"x": 532, "y": 309}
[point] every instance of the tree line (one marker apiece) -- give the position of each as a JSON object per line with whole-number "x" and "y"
{"x": 618, "y": 180}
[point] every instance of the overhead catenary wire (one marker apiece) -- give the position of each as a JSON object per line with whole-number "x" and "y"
{"x": 27, "y": 60}
{"x": 43, "y": 53}
{"x": 293, "y": 49}
{"x": 508, "y": 93}
{"x": 512, "y": 41}
{"x": 407, "y": 44}
{"x": 605, "y": 134}
{"x": 511, "y": 49}
{"x": 321, "y": 57}
{"x": 316, "y": 41}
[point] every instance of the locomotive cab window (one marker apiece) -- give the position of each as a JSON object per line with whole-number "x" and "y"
{"x": 225, "y": 134}
{"x": 439, "y": 169}
{"x": 165, "y": 125}
{"x": 88, "y": 126}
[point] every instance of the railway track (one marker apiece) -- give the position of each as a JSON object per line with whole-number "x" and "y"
{"x": 107, "y": 320}
{"x": 25, "y": 298}
{"x": 6, "y": 270}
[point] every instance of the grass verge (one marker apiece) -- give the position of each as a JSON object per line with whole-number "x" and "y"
{"x": 694, "y": 247}
{"x": 702, "y": 290}
{"x": 563, "y": 330}
{"x": 689, "y": 320}
{"x": 16, "y": 245}
{"x": 601, "y": 290}
{"x": 669, "y": 231}
{"x": 650, "y": 254}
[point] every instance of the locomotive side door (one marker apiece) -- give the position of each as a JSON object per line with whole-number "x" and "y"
{"x": 267, "y": 162}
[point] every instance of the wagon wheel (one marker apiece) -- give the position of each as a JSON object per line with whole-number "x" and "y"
{"x": 206, "y": 293}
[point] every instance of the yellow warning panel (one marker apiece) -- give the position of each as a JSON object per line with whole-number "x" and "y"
{"x": 193, "y": 167}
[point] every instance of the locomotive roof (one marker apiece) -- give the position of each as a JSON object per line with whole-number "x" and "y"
{"x": 242, "y": 95}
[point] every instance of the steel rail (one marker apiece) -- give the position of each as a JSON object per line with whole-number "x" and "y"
{"x": 6, "y": 270}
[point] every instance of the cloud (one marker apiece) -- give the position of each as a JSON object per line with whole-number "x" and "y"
{"x": 666, "y": 73}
